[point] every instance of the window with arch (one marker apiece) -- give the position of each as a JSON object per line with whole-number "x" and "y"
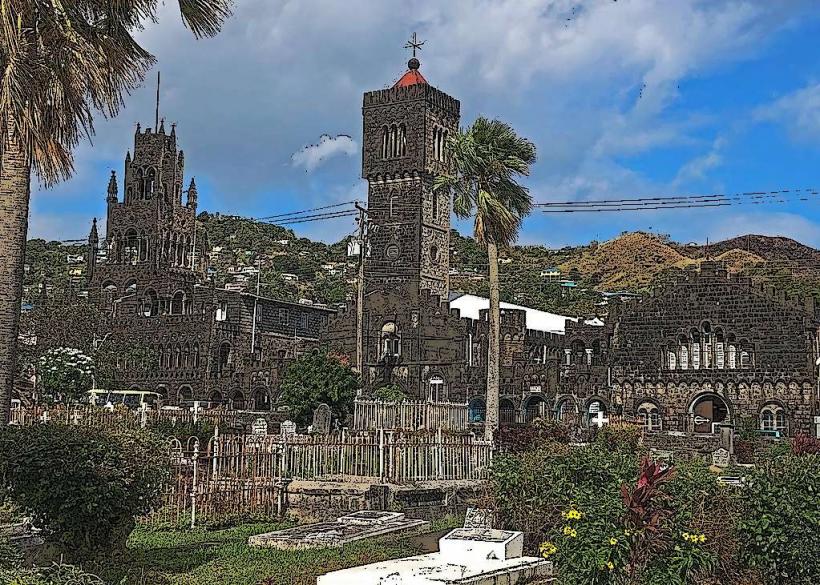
{"x": 773, "y": 418}
{"x": 132, "y": 246}
{"x": 150, "y": 180}
{"x": 477, "y": 410}
{"x": 394, "y": 141}
{"x": 708, "y": 347}
{"x": 224, "y": 357}
{"x": 195, "y": 355}
{"x": 150, "y": 304}
{"x": 178, "y": 303}
{"x": 434, "y": 253}
{"x": 390, "y": 341}
{"x": 535, "y": 407}
{"x": 402, "y": 148}
{"x": 649, "y": 416}
{"x": 140, "y": 183}
{"x": 385, "y": 142}
{"x": 596, "y": 413}
{"x": 261, "y": 400}
{"x": 436, "y": 385}
{"x": 565, "y": 410}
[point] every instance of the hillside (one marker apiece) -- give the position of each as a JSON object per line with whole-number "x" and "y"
{"x": 294, "y": 268}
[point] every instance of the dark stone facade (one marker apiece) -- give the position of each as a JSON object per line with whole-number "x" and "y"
{"x": 755, "y": 349}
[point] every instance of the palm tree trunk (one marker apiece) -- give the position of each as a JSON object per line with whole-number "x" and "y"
{"x": 494, "y": 345}
{"x": 15, "y": 186}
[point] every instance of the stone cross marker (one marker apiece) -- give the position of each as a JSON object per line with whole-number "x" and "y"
{"x": 259, "y": 428}
{"x": 478, "y": 519}
{"x": 599, "y": 419}
{"x": 720, "y": 458}
{"x": 321, "y": 419}
{"x": 288, "y": 428}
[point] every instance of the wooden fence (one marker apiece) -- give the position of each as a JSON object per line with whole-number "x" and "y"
{"x": 95, "y": 416}
{"x": 369, "y": 415}
{"x": 245, "y": 474}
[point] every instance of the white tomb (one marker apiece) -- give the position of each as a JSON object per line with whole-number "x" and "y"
{"x": 465, "y": 557}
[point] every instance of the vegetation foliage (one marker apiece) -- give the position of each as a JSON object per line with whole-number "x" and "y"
{"x": 317, "y": 378}
{"x": 84, "y": 486}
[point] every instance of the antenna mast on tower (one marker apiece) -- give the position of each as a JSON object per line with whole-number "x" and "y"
{"x": 156, "y": 113}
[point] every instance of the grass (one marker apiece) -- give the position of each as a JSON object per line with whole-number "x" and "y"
{"x": 222, "y": 557}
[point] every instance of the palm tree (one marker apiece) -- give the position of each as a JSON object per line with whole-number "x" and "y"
{"x": 62, "y": 61}
{"x": 486, "y": 160}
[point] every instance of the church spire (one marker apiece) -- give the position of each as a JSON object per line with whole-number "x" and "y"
{"x": 112, "y": 188}
{"x": 192, "y": 193}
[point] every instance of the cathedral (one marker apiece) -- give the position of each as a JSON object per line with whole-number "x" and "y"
{"x": 709, "y": 349}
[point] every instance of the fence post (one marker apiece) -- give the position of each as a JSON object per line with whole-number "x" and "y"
{"x": 381, "y": 455}
{"x": 194, "y": 483}
{"x": 215, "y": 450}
{"x": 143, "y": 415}
{"x": 439, "y": 471}
{"x": 196, "y": 411}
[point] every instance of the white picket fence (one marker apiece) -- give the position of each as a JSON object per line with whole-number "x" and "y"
{"x": 371, "y": 415}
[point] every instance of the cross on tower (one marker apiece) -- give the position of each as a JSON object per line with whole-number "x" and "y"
{"x": 414, "y": 44}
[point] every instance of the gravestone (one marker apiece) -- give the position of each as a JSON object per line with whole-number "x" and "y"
{"x": 288, "y": 428}
{"x": 478, "y": 519}
{"x": 720, "y": 458}
{"x": 259, "y": 428}
{"x": 321, "y": 419}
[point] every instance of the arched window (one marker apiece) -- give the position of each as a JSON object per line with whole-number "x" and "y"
{"x": 178, "y": 303}
{"x": 150, "y": 180}
{"x": 477, "y": 410}
{"x": 150, "y": 304}
{"x": 732, "y": 357}
{"x": 385, "y": 142}
{"x": 579, "y": 352}
{"x": 535, "y": 407}
{"x": 773, "y": 418}
{"x": 436, "y": 389}
{"x": 140, "y": 183}
{"x": 132, "y": 246}
{"x": 649, "y": 416}
{"x": 391, "y": 342}
{"x": 177, "y": 357}
{"x": 402, "y": 140}
{"x": 225, "y": 357}
{"x": 216, "y": 398}
{"x": 393, "y": 141}
{"x": 195, "y": 355}
{"x": 506, "y": 412}
{"x": 684, "y": 357}
{"x": 238, "y": 400}
{"x": 185, "y": 394}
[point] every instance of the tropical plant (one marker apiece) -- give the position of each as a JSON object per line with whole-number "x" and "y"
{"x": 84, "y": 486}
{"x": 317, "y": 378}
{"x": 390, "y": 393}
{"x": 62, "y": 61}
{"x": 486, "y": 161}
{"x": 65, "y": 374}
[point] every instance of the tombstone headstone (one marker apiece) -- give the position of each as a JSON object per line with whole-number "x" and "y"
{"x": 321, "y": 419}
{"x": 479, "y": 519}
{"x": 288, "y": 428}
{"x": 259, "y": 428}
{"x": 720, "y": 458}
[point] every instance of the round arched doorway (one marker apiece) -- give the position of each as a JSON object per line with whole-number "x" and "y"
{"x": 477, "y": 410}
{"x": 708, "y": 411}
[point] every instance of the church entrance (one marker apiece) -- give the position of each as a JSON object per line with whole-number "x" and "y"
{"x": 707, "y": 411}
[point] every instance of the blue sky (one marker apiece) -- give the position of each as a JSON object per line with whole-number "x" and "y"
{"x": 622, "y": 99}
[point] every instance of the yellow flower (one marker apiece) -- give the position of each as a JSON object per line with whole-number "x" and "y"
{"x": 613, "y": 541}
{"x": 627, "y": 532}
{"x": 610, "y": 565}
{"x": 547, "y": 549}
{"x": 570, "y": 531}
{"x": 702, "y": 538}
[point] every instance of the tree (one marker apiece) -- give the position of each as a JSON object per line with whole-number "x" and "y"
{"x": 61, "y": 62}
{"x": 319, "y": 378}
{"x": 66, "y": 374}
{"x": 486, "y": 160}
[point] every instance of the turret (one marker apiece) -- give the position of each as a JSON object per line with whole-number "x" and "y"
{"x": 94, "y": 243}
{"x": 112, "y": 186}
{"x": 192, "y": 194}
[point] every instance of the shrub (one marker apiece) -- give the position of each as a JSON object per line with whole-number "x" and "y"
{"x": 521, "y": 438}
{"x": 318, "y": 378}
{"x": 619, "y": 436}
{"x": 84, "y": 486}
{"x": 745, "y": 451}
{"x": 779, "y": 529}
{"x": 805, "y": 445}
{"x": 66, "y": 374}
{"x": 390, "y": 393}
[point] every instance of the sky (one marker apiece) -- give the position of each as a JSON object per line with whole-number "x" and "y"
{"x": 622, "y": 98}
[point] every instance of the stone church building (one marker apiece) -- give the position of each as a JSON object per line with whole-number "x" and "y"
{"x": 709, "y": 349}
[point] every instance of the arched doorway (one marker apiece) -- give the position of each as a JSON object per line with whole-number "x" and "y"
{"x": 477, "y": 410}
{"x": 261, "y": 400}
{"x": 536, "y": 407}
{"x": 506, "y": 412}
{"x": 596, "y": 413}
{"x": 708, "y": 411}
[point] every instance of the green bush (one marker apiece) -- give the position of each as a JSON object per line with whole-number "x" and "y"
{"x": 318, "y": 378}
{"x": 85, "y": 487}
{"x": 390, "y": 393}
{"x": 779, "y": 529}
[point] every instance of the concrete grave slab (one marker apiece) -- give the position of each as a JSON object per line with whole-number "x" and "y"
{"x": 465, "y": 557}
{"x": 346, "y": 529}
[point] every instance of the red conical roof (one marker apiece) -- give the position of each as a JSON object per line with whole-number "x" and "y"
{"x": 412, "y": 76}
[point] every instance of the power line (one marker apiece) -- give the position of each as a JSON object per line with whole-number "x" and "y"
{"x": 303, "y": 211}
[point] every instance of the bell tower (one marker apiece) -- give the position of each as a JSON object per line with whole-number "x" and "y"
{"x": 405, "y": 131}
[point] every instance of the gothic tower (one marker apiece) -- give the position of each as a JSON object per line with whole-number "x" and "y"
{"x": 153, "y": 256}
{"x": 405, "y": 131}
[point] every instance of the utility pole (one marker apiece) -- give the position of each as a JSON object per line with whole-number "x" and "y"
{"x": 255, "y": 303}
{"x": 360, "y": 293}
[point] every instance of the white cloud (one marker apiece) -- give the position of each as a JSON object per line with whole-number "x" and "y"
{"x": 798, "y": 112}
{"x": 312, "y": 156}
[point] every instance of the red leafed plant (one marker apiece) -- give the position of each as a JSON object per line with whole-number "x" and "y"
{"x": 646, "y": 511}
